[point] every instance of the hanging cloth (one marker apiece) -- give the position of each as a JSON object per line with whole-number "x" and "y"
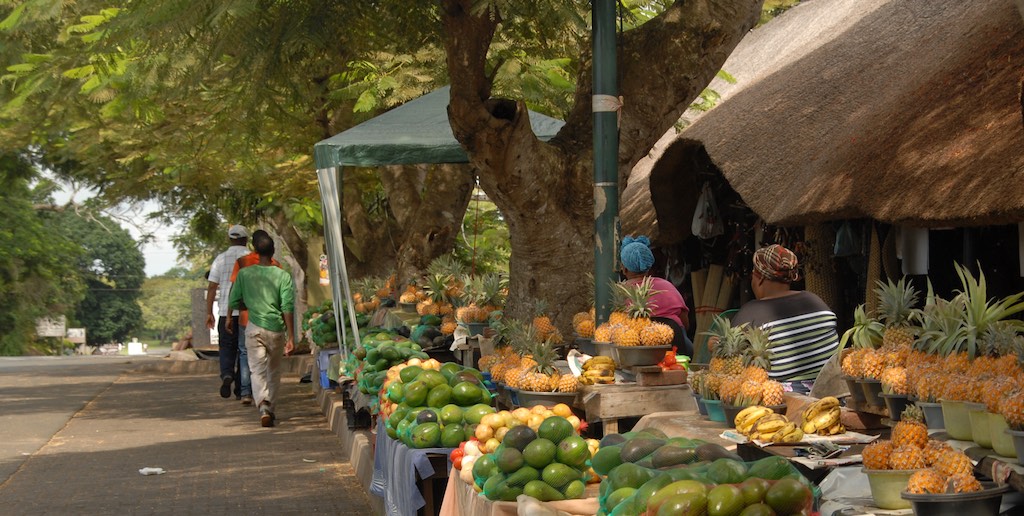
{"x": 846, "y": 242}
{"x": 707, "y": 222}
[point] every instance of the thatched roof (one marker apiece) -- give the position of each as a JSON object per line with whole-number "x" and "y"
{"x": 902, "y": 111}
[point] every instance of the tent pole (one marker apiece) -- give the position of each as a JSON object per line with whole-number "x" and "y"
{"x": 605, "y": 106}
{"x": 330, "y": 198}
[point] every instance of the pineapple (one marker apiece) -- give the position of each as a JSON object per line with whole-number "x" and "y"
{"x": 994, "y": 390}
{"x": 750, "y": 393}
{"x": 726, "y": 357}
{"x": 772, "y": 393}
{"x": 543, "y": 376}
{"x": 894, "y": 380}
{"x": 626, "y": 336}
{"x": 906, "y": 457}
{"x": 543, "y": 326}
{"x": 934, "y": 449}
{"x": 963, "y": 483}
{"x": 926, "y": 481}
{"x": 448, "y": 326}
{"x": 866, "y": 333}
{"x": 638, "y": 302}
{"x": 603, "y": 333}
{"x": 876, "y": 455}
{"x": 872, "y": 363}
{"x": 896, "y": 310}
{"x": 657, "y": 334}
{"x": 1012, "y": 408}
{"x": 929, "y": 387}
{"x": 910, "y": 430}
{"x": 586, "y": 328}
{"x": 568, "y": 383}
{"x": 730, "y": 389}
{"x": 954, "y": 462}
{"x": 757, "y": 354}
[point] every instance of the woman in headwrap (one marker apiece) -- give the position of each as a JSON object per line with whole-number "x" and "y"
{"x": 667, "y": 305}
{"x": 801, "y": 327}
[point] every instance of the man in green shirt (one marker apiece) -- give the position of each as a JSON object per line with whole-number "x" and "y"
{"x": 269, "y": 294}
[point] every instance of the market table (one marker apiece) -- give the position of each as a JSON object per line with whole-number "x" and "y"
{"x": 609, "y": 403}
{"x": 397, "y": 470}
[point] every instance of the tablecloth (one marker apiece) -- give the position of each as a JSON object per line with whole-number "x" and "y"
{"x": 395, "y": 467}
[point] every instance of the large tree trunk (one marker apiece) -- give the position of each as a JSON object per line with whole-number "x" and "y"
{"x": 545, "y": 190}
{"x": 425, "y": 208}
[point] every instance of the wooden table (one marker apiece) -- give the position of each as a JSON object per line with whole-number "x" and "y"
{"x": 609, "y": 403}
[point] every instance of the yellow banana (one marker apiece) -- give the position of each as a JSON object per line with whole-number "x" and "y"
{"x": 780, "y": 433}
{"x": 837, "y": 428}
{"x": 599, "y": 372}
{"x": 604, "y": 380}
{"x": 794, "y": 436}
{"x": 770, "y": 424}
{"x": 747, "y": 417}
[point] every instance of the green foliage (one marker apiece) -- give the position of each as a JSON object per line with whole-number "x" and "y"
{"x": 112, "y": 267}
{"x": 37, "y": 274}
{"x": 484, "y": 242}
{"x": 166, "y": 304}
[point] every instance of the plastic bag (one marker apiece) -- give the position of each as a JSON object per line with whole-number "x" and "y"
{"x": 707, "y": 222}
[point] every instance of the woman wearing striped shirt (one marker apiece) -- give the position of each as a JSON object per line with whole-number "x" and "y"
{"x": 801, "y": 327}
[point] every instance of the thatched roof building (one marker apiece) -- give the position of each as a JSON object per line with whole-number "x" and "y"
{"x": 906, "y": 112}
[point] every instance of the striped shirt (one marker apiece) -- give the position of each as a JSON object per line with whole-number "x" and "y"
{"x": 802, "y": 332}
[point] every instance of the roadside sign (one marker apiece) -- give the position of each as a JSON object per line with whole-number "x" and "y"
{"x": 76, "y": 335}
{"x": 51, "y": 327}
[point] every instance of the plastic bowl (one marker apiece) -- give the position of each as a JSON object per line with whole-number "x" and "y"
{"x": 547, "y": 399}
{"x": 640, "y": 355}
{"x": 980, "y": 432}
{"x": 887, "y": 485}
{"x": 958, "y": 421}
{"x": 1002, "y": 442}
{"x": 1018, "y": 443}
{"x": 932, "y": 414}
{"x": 856, "y": 392}
{"x": 896, "y": 404}
{"x": 981, "y": 503}
{"x": 606, "y": 349}
{"x": 715, "y": 412}
{"x": 872, "y": 388}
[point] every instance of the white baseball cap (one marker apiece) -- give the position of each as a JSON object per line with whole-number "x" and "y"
{"x": 238, "y": 231}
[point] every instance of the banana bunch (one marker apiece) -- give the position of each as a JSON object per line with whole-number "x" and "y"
{"x": 748, "y": 417}
{"x": 777, "y": 429}
{"x": 598, "y": 370}
{"x": 823, "y": 417}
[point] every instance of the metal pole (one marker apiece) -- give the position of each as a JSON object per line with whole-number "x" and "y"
{"x": 605, "y": 106}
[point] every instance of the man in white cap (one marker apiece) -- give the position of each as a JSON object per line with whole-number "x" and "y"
{"x": 234, "y": 364}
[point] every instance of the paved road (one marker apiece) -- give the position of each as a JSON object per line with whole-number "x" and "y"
{"x": 74, "y": 431}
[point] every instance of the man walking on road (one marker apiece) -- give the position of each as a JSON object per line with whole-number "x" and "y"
{"x": 234, "y": 365}
{"x": 268, "y": 293}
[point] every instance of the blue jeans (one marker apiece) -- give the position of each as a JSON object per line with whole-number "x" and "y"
{"x": 234, "y": 360}
{"x": 244, "y": 377}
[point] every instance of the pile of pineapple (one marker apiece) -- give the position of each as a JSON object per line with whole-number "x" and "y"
{"x": 940, "y": 467}
{"x": 525, "y": 361}
{"x": 738, "y": 372}
{"x": 961, "y": 349}
{"x": 482, "y": 298}
{"x": 630, "y": 323}
{"x": 367, "y": 293}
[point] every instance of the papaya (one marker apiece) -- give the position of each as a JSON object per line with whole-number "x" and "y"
{"x": 727, "y": 471}
{"x": 408, "y": 374}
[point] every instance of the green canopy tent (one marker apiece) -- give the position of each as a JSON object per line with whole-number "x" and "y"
{"x": 415, "y": 132}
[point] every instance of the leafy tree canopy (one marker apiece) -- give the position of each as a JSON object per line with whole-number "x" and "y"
{"x": 38, "y": 277}
{"x": 112, "y": 267}
{"x": 166, "y": 303}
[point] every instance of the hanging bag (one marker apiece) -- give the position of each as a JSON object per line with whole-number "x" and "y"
{"x": 707, "y": 223}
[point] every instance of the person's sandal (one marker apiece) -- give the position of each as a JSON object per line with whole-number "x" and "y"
{"x": 246, "y": 400}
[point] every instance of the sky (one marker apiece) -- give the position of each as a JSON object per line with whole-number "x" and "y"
{"x": 159, "y": 252}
